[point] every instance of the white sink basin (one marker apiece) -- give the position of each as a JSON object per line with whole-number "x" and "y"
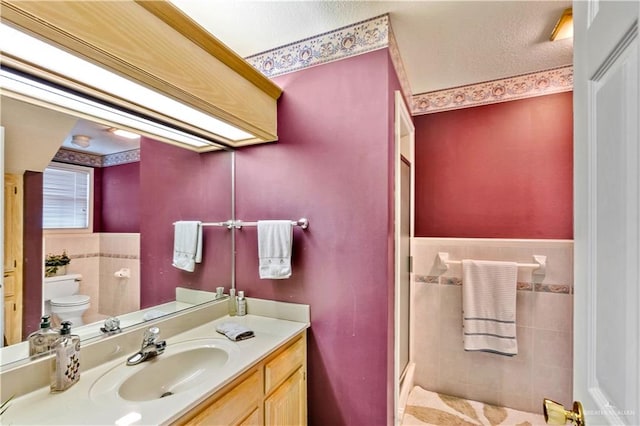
{"x": 182, "y": 367}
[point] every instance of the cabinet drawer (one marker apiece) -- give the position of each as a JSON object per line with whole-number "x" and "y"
{"x": 9, "y": 285}
{"x": 285, "y": 363}
{"x": 234, "y": 406}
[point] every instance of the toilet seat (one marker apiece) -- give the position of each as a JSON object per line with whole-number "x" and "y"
{"x": 75, "y": 300}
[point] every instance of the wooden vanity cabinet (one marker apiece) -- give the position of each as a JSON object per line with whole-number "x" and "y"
{"x": 285, "y": 386}
{"x": 272, "y": 392}
{"x": 240, "y": 403}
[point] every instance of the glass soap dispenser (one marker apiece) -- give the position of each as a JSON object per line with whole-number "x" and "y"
{"x": 242, "y": 304}
{"x": 232, "y": 302}
{"x": 40, "y": 341}
{"x": 65, "y": 366}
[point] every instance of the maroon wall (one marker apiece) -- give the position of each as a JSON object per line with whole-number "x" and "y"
{"x": 120, "y": 202}
{"x": 97, "y": 199}
{"x": 331, "y": 165}
{"x": 32, "y": 251}
{"x": 496, "y": 171}
{"x": 178, "y": 184}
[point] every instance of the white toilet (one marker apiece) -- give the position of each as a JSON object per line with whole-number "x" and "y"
{"x": 62, "y": 300}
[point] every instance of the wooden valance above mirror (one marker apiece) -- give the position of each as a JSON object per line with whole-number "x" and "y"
{"x": 157, "y": 46}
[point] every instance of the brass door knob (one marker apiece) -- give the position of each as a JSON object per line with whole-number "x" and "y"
{"x": 555, "y": 414}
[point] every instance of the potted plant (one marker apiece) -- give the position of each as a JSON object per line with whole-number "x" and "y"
{"x": 56, "y": 264}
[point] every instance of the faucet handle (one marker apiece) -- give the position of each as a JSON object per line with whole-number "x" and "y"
{"x": 160, "y": 346}
{"x": 111, "y": 325}
{"x": 150, "y": 335}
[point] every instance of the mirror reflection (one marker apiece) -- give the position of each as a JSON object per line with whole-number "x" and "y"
{"x": 111, "y": 254}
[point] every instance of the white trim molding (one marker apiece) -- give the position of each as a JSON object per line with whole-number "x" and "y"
{"x": 540, "y": 83}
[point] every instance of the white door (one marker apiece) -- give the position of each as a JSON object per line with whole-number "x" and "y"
{"x": 607, "y": 211}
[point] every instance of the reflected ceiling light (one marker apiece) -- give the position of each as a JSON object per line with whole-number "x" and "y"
{"x": 51, "y": 58}
{"x": 564, "y": 26}
{"x": 128, "y": 419}
{"x": 24, "y": 88}
{"x": 81, "y": 140}
{"x": 123, "y": 133}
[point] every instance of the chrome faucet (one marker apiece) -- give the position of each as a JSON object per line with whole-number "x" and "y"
{"x": 151, "y": 347}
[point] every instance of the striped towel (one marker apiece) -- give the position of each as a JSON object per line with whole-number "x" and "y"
{"x": 489, "y": 306}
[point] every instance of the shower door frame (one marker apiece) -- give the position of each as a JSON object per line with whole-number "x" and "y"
{"x": 404, "y": 132}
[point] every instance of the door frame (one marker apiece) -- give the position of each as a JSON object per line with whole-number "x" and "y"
{"x": 404, "y": 140}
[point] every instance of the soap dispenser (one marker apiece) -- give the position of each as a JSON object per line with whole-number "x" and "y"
{"x": 242, "y": 304}
{"x": 232, "y": 302}
{"x": 65, "y": 366}
{"x": 40, "y": 341}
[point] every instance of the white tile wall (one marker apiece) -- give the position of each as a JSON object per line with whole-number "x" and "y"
{"x": 543, "y": 366}
{"x": 97, "y": 257}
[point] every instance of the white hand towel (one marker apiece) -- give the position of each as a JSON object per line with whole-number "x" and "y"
{"x": 489, "y": 306}
{"x": 275, "y": 239}
{"x": 187, "y": 244}
{"x": 234, "y": 331}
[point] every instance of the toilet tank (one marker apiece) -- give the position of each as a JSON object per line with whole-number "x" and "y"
{"x": 61, "y": 285}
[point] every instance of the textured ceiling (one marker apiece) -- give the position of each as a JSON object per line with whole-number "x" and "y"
{"x": 442, "y": 44}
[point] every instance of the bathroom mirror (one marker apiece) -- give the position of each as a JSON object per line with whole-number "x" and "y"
{"x": 139, "y": 190}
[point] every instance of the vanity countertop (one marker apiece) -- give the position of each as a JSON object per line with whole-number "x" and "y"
{"x": 80, "y": 405}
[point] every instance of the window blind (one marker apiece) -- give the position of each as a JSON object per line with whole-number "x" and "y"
{"x": 65, "y": 197}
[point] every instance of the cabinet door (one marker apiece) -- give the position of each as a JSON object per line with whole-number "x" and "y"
{"x": 9, "y": 283}
{"x": 12, "y": 323}
{"x": 10, "y": 219}
{"x": 233, "y": 406}
{"x": 287, "y": 405}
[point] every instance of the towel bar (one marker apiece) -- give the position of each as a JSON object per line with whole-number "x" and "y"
{"x": 238, "y": 224}
{"x": 228, "y": 224}
{"x": 539, "y": 266}
{"x": 302, "y": 223}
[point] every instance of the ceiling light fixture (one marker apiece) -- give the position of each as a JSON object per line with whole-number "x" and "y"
{"x": 123, "y": 133}
{"x": 564, "y": 26}
{"x": 81, "y": 140}
{"x": 23, "y": 88}
{"x": 49, "y": 57}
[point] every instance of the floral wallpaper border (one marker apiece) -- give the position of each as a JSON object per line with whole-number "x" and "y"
{"x": 522, "y": 286}
{"x": 111, "y": 255}
{"x": 351, "y": 40}
{"x": 361, "y": 37}
{"x": 118, "y": 158}
{"x": 398, "y": 65}
{"x": 541, "y": 83}
{"x": 377, "y": 33}
{"x": 92, "y": 160}
{"x": 80, "y": 158}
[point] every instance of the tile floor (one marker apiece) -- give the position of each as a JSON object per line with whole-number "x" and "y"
{"x": 430, "y": 408}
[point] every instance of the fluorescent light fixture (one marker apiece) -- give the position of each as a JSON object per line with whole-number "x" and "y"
{"x": 81, "y": 106}
{"x": 51, "y": 58}
{"x": 564, "y": 26}
{"x": 124, "y": 133}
